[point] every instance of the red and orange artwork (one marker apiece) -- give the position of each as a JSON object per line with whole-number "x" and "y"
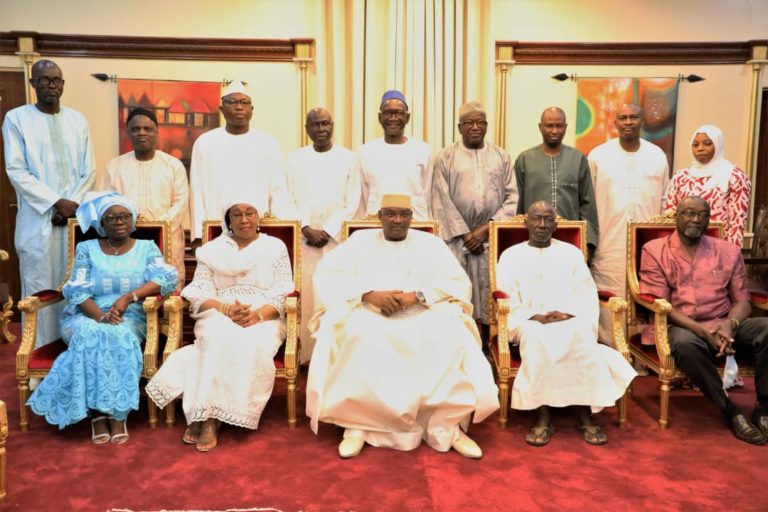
{"x": 184, "y": 111}
{"x": 598, "y": 99}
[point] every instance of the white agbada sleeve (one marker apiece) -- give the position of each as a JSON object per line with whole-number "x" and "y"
{"x": 508, "y": 281}
{"x": 280, "y": 201}
{"x": 352, "y": 191}
{"x": 180, "y": 195}
{"x": 197, "y": 195}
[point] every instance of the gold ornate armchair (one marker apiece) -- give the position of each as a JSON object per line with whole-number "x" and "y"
{"x": 506, "y": 358}
{"x": 287, "y": 357}
{"x": 373, "y": 222}
{"x": 6, "y": 313}
{"x": 646, "y": 310}
{"x": 31, "y": 362}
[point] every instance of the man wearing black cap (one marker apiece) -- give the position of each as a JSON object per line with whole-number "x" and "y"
{"x": 395, "y": 163}
{"x": 156, "y": 182}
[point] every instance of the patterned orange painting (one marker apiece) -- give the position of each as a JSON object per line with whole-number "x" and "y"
{"x": 184, "y": 111}
{"x": 598, "y": 99}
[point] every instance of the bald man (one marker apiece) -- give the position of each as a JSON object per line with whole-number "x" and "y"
{"x": 324, "y": 181}
{"x": 50, "y": 164}
{"x": 473, "y": 184}
{"x": 630, "y": 176}
{"x": 558, "y": 174}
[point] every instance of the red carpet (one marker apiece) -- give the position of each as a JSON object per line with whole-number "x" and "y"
{"x": 695, "y": 465}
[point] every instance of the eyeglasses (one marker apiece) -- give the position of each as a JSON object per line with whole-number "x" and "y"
{"x": 693, "y": 214}
{"x": 397, "y": 114}
{"x": 250, "y": 215}
{"x": 470, "y": 124}
{"x": 124, "y": 218}
{"x": 44, "y": 81}
{"x": 232, "y": 102}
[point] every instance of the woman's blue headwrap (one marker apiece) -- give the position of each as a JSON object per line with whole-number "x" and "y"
{"x": 94, "y": 205}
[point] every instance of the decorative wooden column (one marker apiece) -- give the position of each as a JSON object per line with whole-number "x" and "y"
{"x": 505, "y": 59}
{"x": 303, "y": 58}
{"x": 758, "y": 60}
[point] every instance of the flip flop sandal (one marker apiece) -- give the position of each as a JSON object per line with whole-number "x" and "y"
{"x": 191, "y": 434}
{"x": 120, "y": 437}
{"x": 593, "y": 434}
{"x": 540, "y": 436}
{"x": 102, "y": 438}
{"x": 204, "y": 432}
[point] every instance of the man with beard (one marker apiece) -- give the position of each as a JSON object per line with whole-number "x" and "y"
{"x": 235, "y": 157}
{"x": 630, "y": 176}
{"x": 50, "y": 164}
{"x": 395, "y": 163}
{"x": 324, "y": 179}
{"x": 558, "y": 174}
{"x": 473, "y": 184}
{"x": 704, "y": 280}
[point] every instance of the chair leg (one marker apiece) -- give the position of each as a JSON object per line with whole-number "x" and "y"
{"x": 23, "y": 408}
{"x": 170, "y": 414}
{"x": 623, "y": 401}
{"x": 291, "y": 402}
{"x": 664, "y": 404}
{"x": 503, "y": 401}
{"x": 152, "y": 408}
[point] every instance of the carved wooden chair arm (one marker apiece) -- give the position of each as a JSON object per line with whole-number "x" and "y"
{"x": 502, "y": 342}
{"x": 174, "y": 306}
{"x": 292, "y": 332}
{"x": 618, "y": 308}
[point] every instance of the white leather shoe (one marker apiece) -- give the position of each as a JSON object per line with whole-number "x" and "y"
{"x": 351, "y": 447}
{"x": 466, "y": 446}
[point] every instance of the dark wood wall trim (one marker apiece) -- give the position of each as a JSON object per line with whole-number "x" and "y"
{"x": 165, "y": 48}
{"x": 734, "y": 52}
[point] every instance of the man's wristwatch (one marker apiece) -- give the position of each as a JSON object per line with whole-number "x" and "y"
{"x": 421, "y": 299}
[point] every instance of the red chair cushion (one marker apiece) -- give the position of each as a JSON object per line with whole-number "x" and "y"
{"x": 498, "y": 294}
{"x": 48, "y": 295}
{"x": 758, "y": 297}
{"x": 605, "y": 294}
{"x": 43, "y": 357}
{"x": 647, "y": 297}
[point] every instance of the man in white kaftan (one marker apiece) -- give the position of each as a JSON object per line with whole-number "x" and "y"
{"x": 630, "y": 177}
{"x": 395, "y": 164}
{"x": 156, "y": 182}
{"x": 50, "y": 164}
{"x": 473, "y": 183}
{"x": 235, "y": 157}
{"x": 398, "y": 357}
{"x": 553, "y": 316}
{"x": 324, "y": 179}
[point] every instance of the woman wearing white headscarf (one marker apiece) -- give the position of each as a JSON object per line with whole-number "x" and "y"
{"x": 237, "y": 298}
{"x": 723, "y": 185}
{"x": 103, "y": 322}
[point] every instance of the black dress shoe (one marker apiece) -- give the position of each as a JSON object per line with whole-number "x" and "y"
{"x": 745, "y": 431}
{"x": 760, "y": 420}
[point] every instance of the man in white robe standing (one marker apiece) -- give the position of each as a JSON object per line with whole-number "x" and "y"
{"x": 324, "y": 180}
{"x": 234, "y": 157}
{"x": 396, "y": 163}
{"x": 553, "y": 316}
{"x": 630, "y": 177}
{"x": 50, "y": 164}
{"x": 155, "y": 181}
{"x": 473, "y": 183}
{"x": 398, "y": 358}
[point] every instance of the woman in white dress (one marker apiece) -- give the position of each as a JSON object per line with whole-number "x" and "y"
{"x": 237, "y": 298}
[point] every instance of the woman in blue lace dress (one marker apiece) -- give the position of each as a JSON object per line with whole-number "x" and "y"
{"x": 104, "y": 322}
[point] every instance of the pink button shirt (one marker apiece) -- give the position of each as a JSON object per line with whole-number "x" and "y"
{"x": 703, "y": 288}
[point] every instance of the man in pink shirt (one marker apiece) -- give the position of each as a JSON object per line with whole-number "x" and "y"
{"x": 705, "y": 281}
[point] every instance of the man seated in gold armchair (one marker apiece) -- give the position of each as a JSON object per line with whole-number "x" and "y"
{"x": 704, "y": 280}
{"x": 398, "y": 356}
{"x": 553, "y": 315}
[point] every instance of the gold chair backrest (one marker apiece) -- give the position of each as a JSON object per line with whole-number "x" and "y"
{"x": 373, "y": 222}
{"x": 289, "y": 231}
{"x": 157, "y": 231}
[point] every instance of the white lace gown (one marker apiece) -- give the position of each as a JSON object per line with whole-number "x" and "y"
{"x": 229, "y": 372}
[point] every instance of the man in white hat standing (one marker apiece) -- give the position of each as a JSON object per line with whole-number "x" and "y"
{"x": 233, "y": 157}
{"x": 398, "y": 357}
